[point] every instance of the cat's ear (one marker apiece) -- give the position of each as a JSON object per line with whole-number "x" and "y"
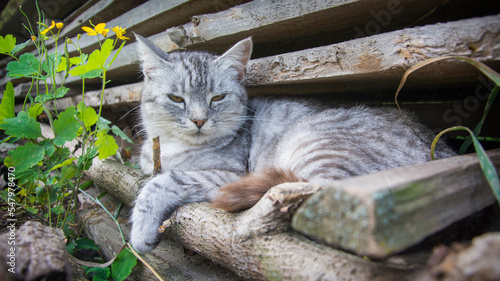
{"x": 150, "y": 55}
{"x": 238, "y": 56}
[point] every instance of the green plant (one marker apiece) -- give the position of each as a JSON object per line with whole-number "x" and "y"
{"x": 487, "y": 166}
{"x": 49, "y": 173}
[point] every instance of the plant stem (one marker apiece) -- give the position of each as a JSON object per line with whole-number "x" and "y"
{"x": 106, "y": 210}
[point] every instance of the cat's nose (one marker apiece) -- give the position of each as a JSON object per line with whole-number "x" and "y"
{"x": 199, "y": 123}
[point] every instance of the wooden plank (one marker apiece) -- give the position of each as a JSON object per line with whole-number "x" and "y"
{"x": 150, "y": 18}
{"x": 386, "y": 56}
{"x": 386, "y": 212}
{"x": 126, "y": 94}
{"x": 102, "y": 11}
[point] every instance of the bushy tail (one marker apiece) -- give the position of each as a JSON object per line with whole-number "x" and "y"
{"x": 245, "y": 192}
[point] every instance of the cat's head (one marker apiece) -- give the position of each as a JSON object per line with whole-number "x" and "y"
{"x": 193, "y": 97}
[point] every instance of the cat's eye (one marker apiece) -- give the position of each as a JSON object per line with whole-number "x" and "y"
{"x": 218, "y": 97}
{"x": 176, "y": 98}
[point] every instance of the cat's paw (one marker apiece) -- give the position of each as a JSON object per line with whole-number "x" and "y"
{"x": 143, "y": 240}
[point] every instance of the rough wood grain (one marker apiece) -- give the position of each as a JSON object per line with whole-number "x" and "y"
{"x": 255, "y": 244}
{"x": 386, "y": 212}
{"x": 169, "y": 259}
{"x": 101, "y": 11}
{"x": 478, "y": 261}
{"x": 39, "y": 252}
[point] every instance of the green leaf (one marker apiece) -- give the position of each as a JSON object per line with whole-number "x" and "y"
{"x": 66, "y": 126}
{"x": 486, "y": 70}
{"x": 29, "y": 176}
{"x": 479, "y": 126}
{"x": 106, "y": 145}
{"x": 85, "y": 244}
{"x": 22, "y": 126}
{"x": 87, "y": 114}
{"x": 8, "y": 103}
{"x": 59, "y": 93}
{"x": 85, "y": 161}
{"x": 75, "y": 60}
{"x": 487, "y": 166}
{"x": 31, "y": 210}
{"x": 7, "y": 44}
{"x": 62, "y": 65}
{"x": 92, "y": 74}
{"x": 67, "y": 162}
{"x": 121, "y": 134}
{"x": 70, "y": 247}
{"x": 19, "y": 47}
{"x": 53, "y": 62}
{"x": 68, "y": 172}
{"x": 103, "y": 124}
{"x": 123, "y": 265}
{"x": 27, "y": 66}
{"x": 26, "y": 156}
{"x": 57, "y": 209}
{"x": 106, "y": 49}
{"x": 99, "y": 273}
{"x": 95, "y": 63}
{"x": 35, "y": 110}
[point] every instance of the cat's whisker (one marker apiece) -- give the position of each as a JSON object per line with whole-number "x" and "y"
{"x": 128, "y": 112}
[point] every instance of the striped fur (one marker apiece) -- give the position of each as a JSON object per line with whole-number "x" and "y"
{"x": 271, "y": 140}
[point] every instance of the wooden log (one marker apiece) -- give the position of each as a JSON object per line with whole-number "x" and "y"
{"x": 386, "y": 212}
{"x": 256, "y": 243}
{"x": 478, "y": 261}
{"x": 169, "y": 259}
{"x": 33, "y": 251}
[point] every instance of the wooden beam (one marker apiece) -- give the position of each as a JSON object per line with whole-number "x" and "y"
{"x": 386, "y": 212}
{"x": 99, "y": 11}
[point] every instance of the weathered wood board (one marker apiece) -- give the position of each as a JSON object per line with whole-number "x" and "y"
{"x": 386, "y": 212}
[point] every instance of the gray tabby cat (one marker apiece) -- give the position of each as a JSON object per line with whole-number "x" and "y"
{"x": 212, "y": 136}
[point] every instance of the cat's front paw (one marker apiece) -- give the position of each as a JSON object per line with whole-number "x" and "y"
{"x": 142, "y": 241}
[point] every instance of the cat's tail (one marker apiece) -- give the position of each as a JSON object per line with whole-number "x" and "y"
{"x": 245, "y": 192}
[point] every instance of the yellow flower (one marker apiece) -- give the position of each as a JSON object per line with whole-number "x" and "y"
{"x": 100, "y": 28}
{"x": 59, "y": 25}
{"x": 89, "y": 31}
{"x": 48, "y": 28}
{"x": 33, "y": 38}
{"x": 119, "y": 32}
